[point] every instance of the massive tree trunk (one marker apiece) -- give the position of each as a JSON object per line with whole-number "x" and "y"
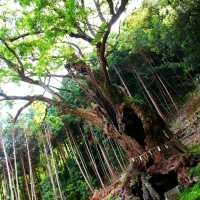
{"x": 142, "y": 134}
{"x": 158, "y": 160}
{"x": 150, "y": 146}
{"x": 100, "y": 120}
{"x": 137, "y": 129}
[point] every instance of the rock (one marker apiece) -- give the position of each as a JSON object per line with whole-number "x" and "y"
{"x": 172, "y": 194}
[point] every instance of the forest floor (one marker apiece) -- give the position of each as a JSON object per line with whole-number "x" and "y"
{"x": 186, "y": 125}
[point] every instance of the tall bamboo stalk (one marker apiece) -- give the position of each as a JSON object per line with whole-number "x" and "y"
{"x": 12, "y": 178}
{"x": 106, "y": 160}
{"x": 33, "y": 193}
{"x": 167, "y": 106}
{"x": 15, "y": 165}
{"x": 78, "y": 153}
{"x": 70, "y": 147}
{"x": 7, "y": 168}
{"x": 104, "y": 168}
{"x": 92, "y": 159}
{"x": 150, "y": 96}
{"x": 5, "y": 194}
{"x": 121, "y": 154}
{"x": 68, "y": 154}
{"x": 110, "y": 168}
{"x": 48, "y": 165}
{"x": 53, "y": 163}
{"x": 167, "y": 91}
{"x": 122, "y": 81}
{"x": 116, "y": 156}
{"x": 25, "y": 178}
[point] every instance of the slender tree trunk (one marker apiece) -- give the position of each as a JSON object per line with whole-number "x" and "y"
{"x": 15, "y": 166}
{"x": 83, "y": 172}
{"x": 50, "y": 172}
{"x": 11, "y": 187}
{"x": 25, "y": 182}
{"x": 4, "y": 188}
{"x": 32, "y": 182}
{"x": 92, "y": 160}
{"x": 116, "y": 155}
{"x": 54, "y": 164}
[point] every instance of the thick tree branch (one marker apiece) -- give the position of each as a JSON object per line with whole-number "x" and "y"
{"x": 86, "y": 20}
{"x": 26, "y": 98}
{"x": 113, "y": 19}
{"x": 12, "y": 51}
{"x": 81, "y": 35}
{"x": 101, "y": 46}
{"x": 98, "y": 8}
{"x": 78, "y": 48}
{"x": 21, "y": 109}
{"x": 120, "y": 10}
{"x": 8, "y": 62}
{"x": 20, "y": 71}
{"x": 22, "y": 36}
{"x": 111, "y": 7}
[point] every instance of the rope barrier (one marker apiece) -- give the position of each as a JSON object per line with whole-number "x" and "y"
{"x": 149, "y": 152}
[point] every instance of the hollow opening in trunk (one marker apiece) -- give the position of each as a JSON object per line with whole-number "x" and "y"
{"x": 133, "y": 126}
{"x": 164, "y": 182}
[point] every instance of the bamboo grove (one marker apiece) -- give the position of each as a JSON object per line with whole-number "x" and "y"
{"x": 21, "y": 173}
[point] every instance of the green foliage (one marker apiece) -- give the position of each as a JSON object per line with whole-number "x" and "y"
{"x": 78, "y": 190}
{"x": 74, "y": 186}
{"x": 72, "y": 93}
{"x": 195, "y": 148}
{"x": 46, "y": 189}
{"x": 192, "y": 193}
{"x": 46, "y": 24}
{"x": 65, "y": 14}
{"x": 54, "y": 119}
{"x": 100, "y": 32}
{"x": 195, "y": 171}
{"x": 161, "y": 28}
{"x": 159, "y": 37}
{"x": 153, "y": 30}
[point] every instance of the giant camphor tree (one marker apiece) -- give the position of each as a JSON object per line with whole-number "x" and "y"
{"x": 41, "y": 40}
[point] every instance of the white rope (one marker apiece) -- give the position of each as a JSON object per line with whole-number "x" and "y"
{"x": 149, "y": 152}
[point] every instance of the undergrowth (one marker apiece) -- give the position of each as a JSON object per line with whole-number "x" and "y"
{"x": 193, "y": 192}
